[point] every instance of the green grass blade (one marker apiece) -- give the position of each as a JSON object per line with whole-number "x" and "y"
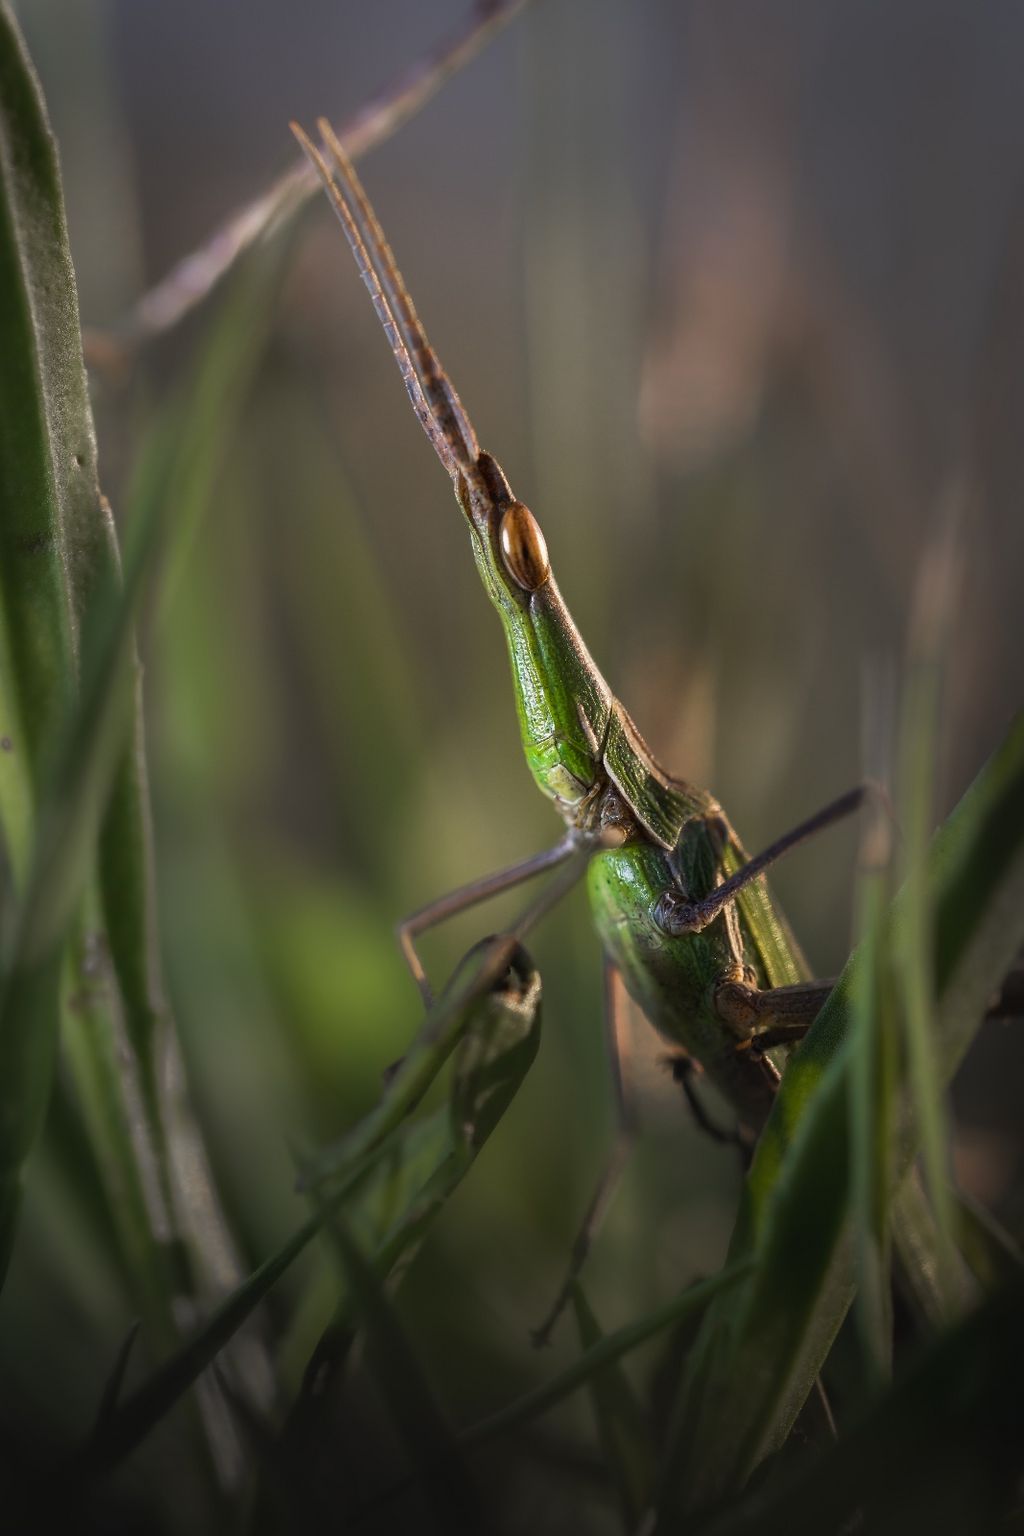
{"x": 930, "y": 1269}
{"x": 942, "y": 1447}
{"x": 759, "y": 1353}
{"x": 988, "y": 1249}
{"x": 173, "y": 489}
{"x": 142, "y": 1409}
{"x": 67, "y": 825}
{"x": 54, "y": 533}
{"x": 872, "y": 1068}
{"x": 432, "y": 1447}
{"x": 624, "y": 1432}
{"x": 57, "y": 571}
{"x": 682, "y": 1309}
{"x": 396, "y": 1198}
{"x": 930, "y": 630}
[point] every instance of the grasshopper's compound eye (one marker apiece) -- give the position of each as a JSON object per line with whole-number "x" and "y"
{"x": 523, "y": 548}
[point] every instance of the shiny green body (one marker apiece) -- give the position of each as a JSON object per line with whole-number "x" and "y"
{"x": 674, "y": 980}
{"x": 588, "y": 757}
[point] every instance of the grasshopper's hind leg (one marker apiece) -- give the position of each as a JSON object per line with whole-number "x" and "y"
{"x": 616, "y": 1021}
{"x": 773, "y": 1016}
{"x": 783, "y": 1015}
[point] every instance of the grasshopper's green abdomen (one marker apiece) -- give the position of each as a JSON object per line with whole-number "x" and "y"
{"x": 673, "y": 980}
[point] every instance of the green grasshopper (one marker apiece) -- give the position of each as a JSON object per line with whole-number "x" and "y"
{"x": 684, "y": 916}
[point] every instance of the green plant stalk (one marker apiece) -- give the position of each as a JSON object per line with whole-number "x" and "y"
{"x": 58, "y": 563}
{"x": 172, "y": 489}
{"x": 916, "y": 967}
{"x": 872, "y": 1067}
{"x": 756, "y": 1360}
{"x": 94, "y": 1048}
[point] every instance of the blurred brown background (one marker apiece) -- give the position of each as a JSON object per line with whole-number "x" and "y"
{"x": 734, "y": 294}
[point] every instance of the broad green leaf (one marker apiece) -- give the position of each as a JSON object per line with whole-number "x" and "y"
{"x": 759, "y": 1353}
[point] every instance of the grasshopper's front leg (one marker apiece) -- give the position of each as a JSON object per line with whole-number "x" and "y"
{"x": 471, "y": 895}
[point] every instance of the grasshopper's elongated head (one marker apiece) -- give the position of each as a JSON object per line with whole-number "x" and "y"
{"x": 563, "y": 702}
{"x": 577, "y": 737}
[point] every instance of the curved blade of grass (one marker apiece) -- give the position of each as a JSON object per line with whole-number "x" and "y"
{"x": 392, "y": 1211}
{"x": 872, "y": 1074}
{"x": 930, "y": 628}
{"x": 622, "y": 1426}
{"x": 759, "y": 1353}
{"x": 173, "y": 488}
{"x": 55, "y": 532}
{"x": 59, "y": 586}
{"x": 682, "y": 1309}
{"x": 442, "y": 1029}
{"x": 941, "y": 1452}
{"x": 931, "y": 1270}
{"x": 440, "y": 1466}
{"x": 89, "y": 748}
{"x": 988, "y": 1249}
{"x": 423, "y": 1162}
{"x": 58, "y": 574}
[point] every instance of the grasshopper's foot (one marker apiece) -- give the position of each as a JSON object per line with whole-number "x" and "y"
{"x": 768, "y": 1038}
{"x": 685, "y": 1071}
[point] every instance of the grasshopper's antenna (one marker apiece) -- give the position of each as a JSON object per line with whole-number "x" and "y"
{"x": 380, "y": 302}
{"x": 433, "y": 397}
{"x": 435, "y": 383}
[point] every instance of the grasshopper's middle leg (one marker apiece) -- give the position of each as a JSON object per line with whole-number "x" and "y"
{"x": 616, "y": 1045}
{"x": 676, "y": 914}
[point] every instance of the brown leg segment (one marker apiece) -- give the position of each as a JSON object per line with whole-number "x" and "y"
{"x": 774, "y": 1016}
{"x": 685, "y": 1071}
{"x": 617, "y": 1043}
